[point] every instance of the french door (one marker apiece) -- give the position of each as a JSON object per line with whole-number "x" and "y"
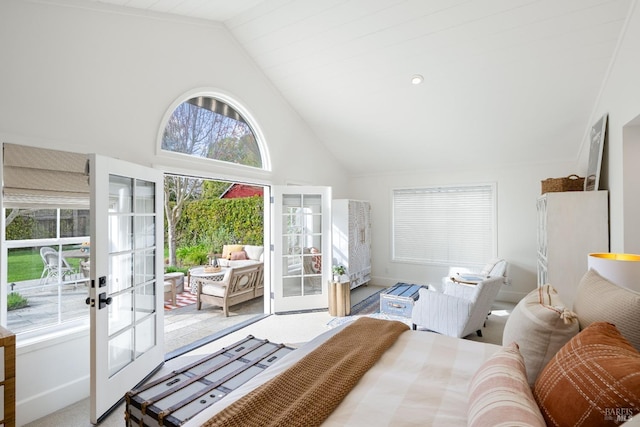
{"x": 302, "y": 248}
{"x": 125, "y": 296}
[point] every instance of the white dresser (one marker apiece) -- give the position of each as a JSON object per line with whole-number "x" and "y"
{"x": 351, "y": 221}
{"x": 571, "y": 225}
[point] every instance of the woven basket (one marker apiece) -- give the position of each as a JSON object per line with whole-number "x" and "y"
{"x": 569, "y": 183}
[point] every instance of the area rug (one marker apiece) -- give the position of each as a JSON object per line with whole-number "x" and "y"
{"x": 369, "y": 307}
{"x": 182, "y": 299}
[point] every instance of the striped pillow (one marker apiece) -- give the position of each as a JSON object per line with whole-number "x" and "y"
{"x": 499, "y": 394}
{"x": 594, "y": 380}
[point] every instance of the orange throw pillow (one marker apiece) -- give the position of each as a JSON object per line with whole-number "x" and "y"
{"x": 594, "y": 380}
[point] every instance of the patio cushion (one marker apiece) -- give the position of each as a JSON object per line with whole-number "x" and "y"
{"x": 213, "y": 289}
{"x": 228, "y": 249}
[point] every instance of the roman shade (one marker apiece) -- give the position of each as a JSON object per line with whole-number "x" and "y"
{"x": 41, "y": 178}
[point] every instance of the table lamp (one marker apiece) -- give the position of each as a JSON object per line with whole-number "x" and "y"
{"x": 620, "y": 269}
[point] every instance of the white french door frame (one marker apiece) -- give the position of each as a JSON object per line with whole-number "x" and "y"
{"x": 125, "y": 293}
{"x": 297, "y": 228}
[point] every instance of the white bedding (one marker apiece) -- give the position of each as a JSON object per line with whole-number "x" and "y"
{"x": 421, "y": 380}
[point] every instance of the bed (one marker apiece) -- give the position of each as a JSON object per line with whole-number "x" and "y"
{"x": 555, "y": 367}
{"x": 421, "y": 379}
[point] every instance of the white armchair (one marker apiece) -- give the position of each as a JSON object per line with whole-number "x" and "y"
{"x": 458, "y": 311}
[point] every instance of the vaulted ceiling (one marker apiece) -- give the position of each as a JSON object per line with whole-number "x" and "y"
{"x": 505, "y": 81}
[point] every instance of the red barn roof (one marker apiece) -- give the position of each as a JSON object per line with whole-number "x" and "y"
{"x": 236, "y": 191}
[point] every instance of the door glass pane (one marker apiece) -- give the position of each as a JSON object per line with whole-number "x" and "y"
{"x": 145, "y": 197}
{"x": 144, "y": 231}
{"x": 120, "y": 352}
{"x": 313, "y": 285}
{"x": 291, "y": 287}
{"x": 120, "y": 194}
{"x": 145, "y": 335}
{"x": 144, "y": 267}
{"x": 120, "y": 311}
{"x": 145, "y": 301}
{"x": 120, "y": 233}
{"x": 120, "y": 272}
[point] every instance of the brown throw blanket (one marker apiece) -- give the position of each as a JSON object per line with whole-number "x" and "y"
{"x": 307, "y": 392}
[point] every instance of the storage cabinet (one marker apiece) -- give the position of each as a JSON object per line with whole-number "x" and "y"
{"x": 571, "y": 225}
{"x": 352, "y": 239}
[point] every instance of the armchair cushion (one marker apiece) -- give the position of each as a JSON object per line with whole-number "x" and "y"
{"x": 213, "y": 289}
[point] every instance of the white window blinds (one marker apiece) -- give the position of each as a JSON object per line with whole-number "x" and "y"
{"x": 445, "y": 225}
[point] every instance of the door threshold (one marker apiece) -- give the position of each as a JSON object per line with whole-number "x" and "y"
{"x": 208, "y": 339}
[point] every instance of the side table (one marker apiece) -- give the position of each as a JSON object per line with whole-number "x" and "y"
{"x": 339, "y": 299}
{"x": 199, "y": 273}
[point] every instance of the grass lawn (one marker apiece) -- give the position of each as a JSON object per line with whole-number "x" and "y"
{"x": 26, "y": 264}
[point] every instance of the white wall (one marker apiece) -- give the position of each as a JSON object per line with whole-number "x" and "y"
{"x": 99, "y": 80}
{"x": 517, "y": 187}
{"x": 620, "y": 99}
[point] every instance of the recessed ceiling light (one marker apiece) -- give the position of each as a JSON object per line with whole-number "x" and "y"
{"x": 416, "y": 79}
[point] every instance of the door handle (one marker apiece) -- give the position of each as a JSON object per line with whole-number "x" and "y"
{"x": 103, "y": 301}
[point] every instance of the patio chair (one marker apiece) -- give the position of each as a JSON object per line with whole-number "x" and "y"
{"x": 55, "y": 266}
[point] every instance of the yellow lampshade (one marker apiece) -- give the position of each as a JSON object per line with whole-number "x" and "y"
{"x": 620, "y": 269}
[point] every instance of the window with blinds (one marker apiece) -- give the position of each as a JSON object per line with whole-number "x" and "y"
{"x": 445, "y": 225}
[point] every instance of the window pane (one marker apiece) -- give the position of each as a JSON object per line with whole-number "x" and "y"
{"x": 209, "y": 128}
{"x": 444, "y": 225}
{"x": 47, "y": 285}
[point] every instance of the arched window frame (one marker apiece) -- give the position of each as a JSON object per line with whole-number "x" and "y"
{"x": 231, "y": 101}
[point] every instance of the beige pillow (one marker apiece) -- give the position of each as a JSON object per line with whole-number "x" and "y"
{"x": 500, "y": 395}
{"x": 598, "y": 300}
{"x": 593, "y": 380}
{"x": 228, "y": 249}
{"x": 541, "y": 325}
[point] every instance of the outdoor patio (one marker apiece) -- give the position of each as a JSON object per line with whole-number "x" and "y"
{"x": 183, "y": 326}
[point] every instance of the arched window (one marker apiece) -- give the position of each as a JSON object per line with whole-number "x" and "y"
{"x": 207, "y": 127}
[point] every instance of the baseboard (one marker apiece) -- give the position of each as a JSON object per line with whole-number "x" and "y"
{"x": 510, "y": 296}
{"x": 53, "y": 400}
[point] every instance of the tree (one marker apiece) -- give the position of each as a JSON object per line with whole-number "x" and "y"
{"x": 177, "y": 191}
{"x": 203, "y": 127}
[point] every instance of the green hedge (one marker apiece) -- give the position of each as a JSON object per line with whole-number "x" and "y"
{"x": 217, "y": 222}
